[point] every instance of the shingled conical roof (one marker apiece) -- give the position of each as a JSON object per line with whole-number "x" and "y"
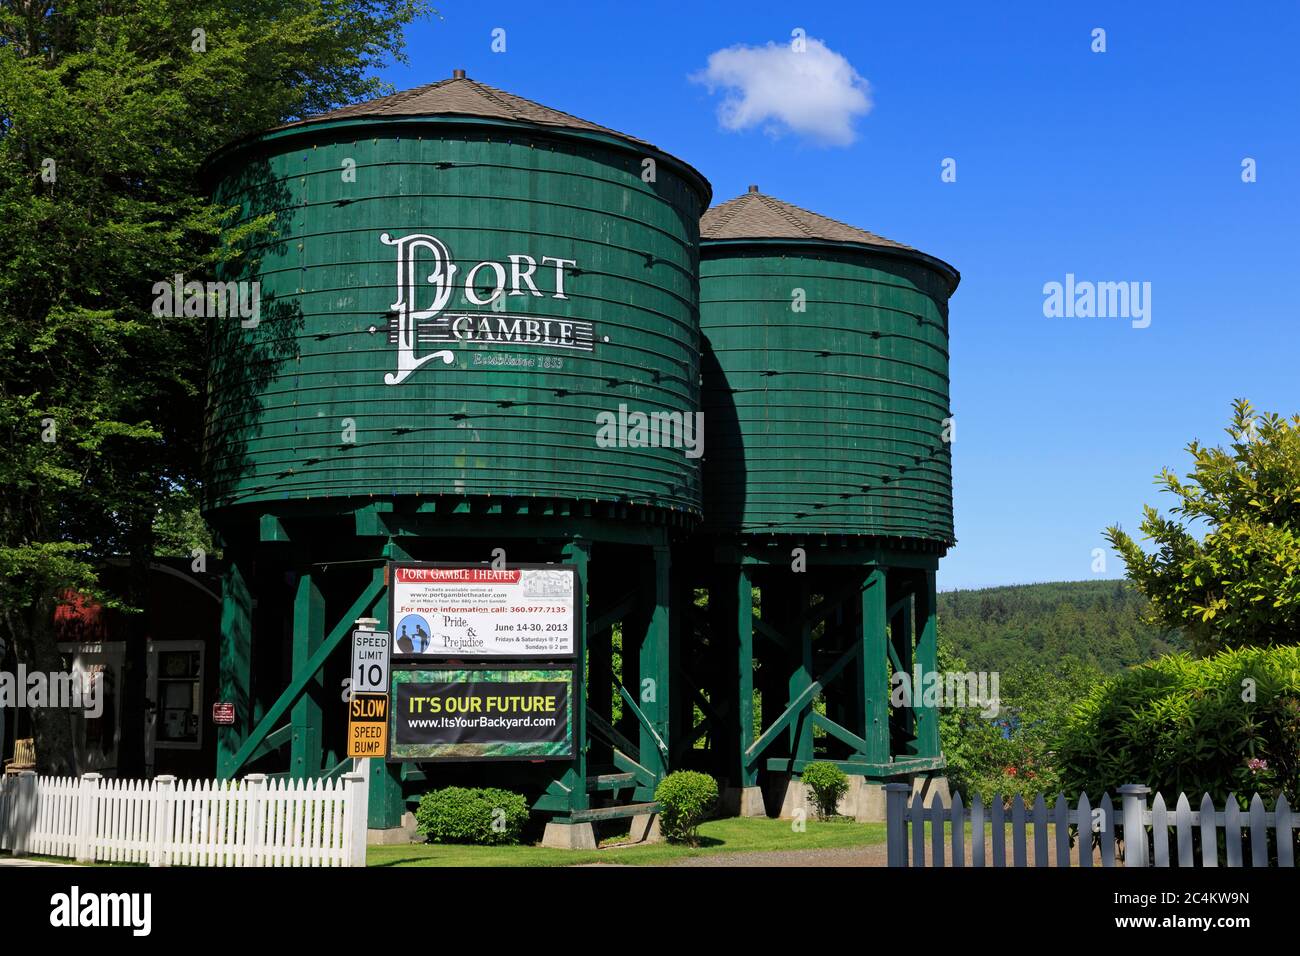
{"x": 756, "y": 216}
{"x": 461, "y": 96}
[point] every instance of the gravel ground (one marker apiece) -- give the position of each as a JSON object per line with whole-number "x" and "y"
{"x": 853, "y": 856}
{"x": 875, "y": 855}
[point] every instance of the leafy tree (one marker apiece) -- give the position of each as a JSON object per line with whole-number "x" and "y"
{"x": 1239, "y": 584}
{"x": 107, "y": 112}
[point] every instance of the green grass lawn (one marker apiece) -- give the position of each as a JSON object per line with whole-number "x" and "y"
{"x": 731, "y": 835}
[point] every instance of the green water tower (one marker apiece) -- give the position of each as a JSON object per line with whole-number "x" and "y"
{"x": 456, "y": 284}
{"x": 828, "y": 488}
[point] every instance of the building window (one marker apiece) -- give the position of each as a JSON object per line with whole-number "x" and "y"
{"x": 178, "y": 694}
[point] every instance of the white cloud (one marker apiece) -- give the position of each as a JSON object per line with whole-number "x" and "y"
{"x": 815, "y": 93}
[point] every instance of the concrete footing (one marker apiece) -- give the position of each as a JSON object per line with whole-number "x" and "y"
{"x": 791, "y": 795}
{"x": 931, "y": 785}
{"x": 743, "y": 802}
{"x": 864, "y": 801}
{"x": 869, "y": 802}
{"x": 750, "y": 802}
{"x": 402, "y": 833}
{"x": 645, "y": 829}
{"x": 570, "y": 836}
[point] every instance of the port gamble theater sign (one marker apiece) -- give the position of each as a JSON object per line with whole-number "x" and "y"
{"x": 460, "y": 612}
{"x": 483, "y": 661}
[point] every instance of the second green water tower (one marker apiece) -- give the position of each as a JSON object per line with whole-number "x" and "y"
{"x": 828, "y": 494}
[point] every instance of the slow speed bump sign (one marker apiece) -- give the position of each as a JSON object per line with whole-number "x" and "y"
{"x": 368, "y": 725}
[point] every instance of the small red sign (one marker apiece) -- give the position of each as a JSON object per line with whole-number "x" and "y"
{"x": 223, "y": 714}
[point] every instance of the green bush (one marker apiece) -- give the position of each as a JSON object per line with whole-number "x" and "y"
{"x": 828, "y": 783}
{"x": 1221, "y": 724}
{"x": 486, "y": 816}
{"x": 685, "y": 798}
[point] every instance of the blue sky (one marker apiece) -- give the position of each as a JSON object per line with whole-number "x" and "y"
{"x": 1115, "y": 166}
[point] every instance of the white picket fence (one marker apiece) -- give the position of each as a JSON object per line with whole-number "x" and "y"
{"x": 165, "y": 822}
{"x": 1141, "y": 832}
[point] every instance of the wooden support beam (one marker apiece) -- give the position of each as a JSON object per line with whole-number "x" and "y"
{"x": 875, "y": 679}
{"x": 298, "y": 683}
{"x": 840, "y": 732}
{"x": 613, "y": 813}
{"x": 545, "y": 525}
{"x": 578, "y": 553}
{"x": 801, "y": 728}
{"x": 598, "y": 726}
{"x": 647, "y": 725}
{"x": 832, "y": 602}
{"x": 611, "y": 614}
{"x": 764, "y": 629}
{"x": 795, "y": 706}
{"x": 779, "y": 555}
{"x": 600, "y": 685}
{"x": 927, "y": 652}
{"x": 386, "y": 804}
{"x": 274, "y": 741}
{"x": 644, "y": 775}
{"x": 236, "y": 662}
{"x": 902, "y": 649}
{"x": 894, "y": 768}
{"x": 305, "y": 756}
{"x": 611, "y": 781}
{"x": 271, "y": 530}
{"x": 652, "y": 709}
{"x": 558, "y": 796}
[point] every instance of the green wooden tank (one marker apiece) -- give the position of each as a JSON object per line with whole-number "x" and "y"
{"x": 825, "y": 375}
{"x": 455, "y": 283}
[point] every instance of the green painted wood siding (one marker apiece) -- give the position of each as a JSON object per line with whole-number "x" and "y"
{"x": 279, "y": 393}
{"x": 828, "y": 420}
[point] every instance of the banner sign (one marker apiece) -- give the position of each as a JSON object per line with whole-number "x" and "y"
{"x": 441, "y": 611}
{"x": 482, "y": 714}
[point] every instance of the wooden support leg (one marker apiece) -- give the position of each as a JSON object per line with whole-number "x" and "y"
{"x": 801, "y": 730}
{"x": 744, "y": 610}
{"x": 308, "y": 633}
{"x": 903, "y": 641}
{"x": 872, "y": 661}
{"x": 386, "y": 803}
{"x": 578, "y": 552}
{"x": 600, "y": 684}
{"x": 927, "y": 653}
{"x": 681, "y": 712}
{"x": 655, "y": 692}
{"x": 772, "y": 686}
{"x": 236, "y": 662}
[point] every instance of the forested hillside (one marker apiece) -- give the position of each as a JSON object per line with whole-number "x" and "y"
{"x": 1098, "y": 622}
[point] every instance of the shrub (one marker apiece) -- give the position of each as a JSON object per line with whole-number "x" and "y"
{"x": 828, "y": 783}
{"x": 685, "y": 798}
{"x": 1222, "y": 724}
{"x": 487, "y": 816}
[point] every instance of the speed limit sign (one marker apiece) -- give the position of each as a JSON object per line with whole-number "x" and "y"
{"x": 370, "y": 662}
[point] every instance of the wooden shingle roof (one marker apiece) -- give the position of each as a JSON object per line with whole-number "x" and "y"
{"x": 461, "y": 96}
{"x": 753, "y": 215}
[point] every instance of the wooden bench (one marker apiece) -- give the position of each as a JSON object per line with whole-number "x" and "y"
{"x": 24, "y": 757}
